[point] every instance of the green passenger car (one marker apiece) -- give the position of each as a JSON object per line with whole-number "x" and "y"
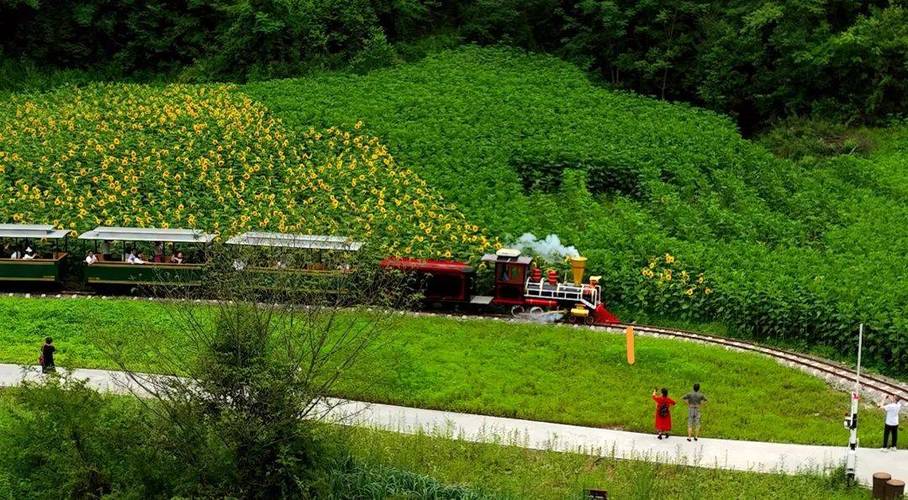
{"x": 298, "y": 262}
{"x": 114, "y": 268}
{"x": 43, "y": 264}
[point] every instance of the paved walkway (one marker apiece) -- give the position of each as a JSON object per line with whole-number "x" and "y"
{"x": 722, "y": 453}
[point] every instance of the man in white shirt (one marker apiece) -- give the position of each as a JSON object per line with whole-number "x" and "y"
{"x": 91, "y": 258}
{"x": 892, "y": 406}
{"x": 29, "y": 254}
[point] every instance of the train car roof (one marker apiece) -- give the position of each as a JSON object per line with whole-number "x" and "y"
{"x": 507, "y": 259}
{"x": 427, "y": 265}
{"x": 147, "y": 234}
{"x": 32, "y": 231}
{"x": 302, "y": 241}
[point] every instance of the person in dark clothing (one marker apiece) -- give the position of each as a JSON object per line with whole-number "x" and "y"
{"x": 47, "y": 356}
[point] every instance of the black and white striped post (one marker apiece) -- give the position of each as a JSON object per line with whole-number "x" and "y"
{"x": 851, "y": 422}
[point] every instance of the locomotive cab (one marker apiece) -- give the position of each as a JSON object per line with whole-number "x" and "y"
{"x": 510, "y": 275}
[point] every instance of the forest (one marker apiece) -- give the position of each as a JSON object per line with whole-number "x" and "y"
{"x": 757, "y": 61}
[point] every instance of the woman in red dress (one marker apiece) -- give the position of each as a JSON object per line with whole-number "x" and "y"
{"x": 663, "y": 413}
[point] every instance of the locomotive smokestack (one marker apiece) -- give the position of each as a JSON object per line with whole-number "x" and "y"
{"x": 578, "y": 264}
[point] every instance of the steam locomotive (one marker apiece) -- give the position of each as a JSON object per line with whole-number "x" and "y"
{"x": 518, "y": 285}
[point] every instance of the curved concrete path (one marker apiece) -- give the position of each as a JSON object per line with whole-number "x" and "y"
{"x": 721, "y": 453}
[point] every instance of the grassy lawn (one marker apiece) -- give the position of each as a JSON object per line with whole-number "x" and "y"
{"x": 540, "y": 372}
{"x": 509, "y": 471}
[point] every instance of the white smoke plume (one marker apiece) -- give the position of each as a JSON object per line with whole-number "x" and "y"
{"x": 549, "y": 249}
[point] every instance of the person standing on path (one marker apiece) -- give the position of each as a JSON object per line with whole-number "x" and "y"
{"x": 694, "y": 399}
{"x": 47, "y": 356}
{"x": 891, "y": 427}
{"x": 663, "y": 413}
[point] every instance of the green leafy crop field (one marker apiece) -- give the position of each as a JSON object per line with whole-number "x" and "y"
{"x": 654, "y": 194}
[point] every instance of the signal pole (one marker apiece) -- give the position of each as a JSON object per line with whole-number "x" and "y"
{"x": 851, "y": 421}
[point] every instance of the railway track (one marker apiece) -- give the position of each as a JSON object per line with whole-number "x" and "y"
{"x": 874, "y": 387}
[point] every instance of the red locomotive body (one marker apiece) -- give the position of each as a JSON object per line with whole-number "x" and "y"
{"x": 516, "y": 285}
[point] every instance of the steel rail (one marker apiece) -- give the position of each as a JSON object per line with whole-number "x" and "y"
{"x": 844, "y": 373}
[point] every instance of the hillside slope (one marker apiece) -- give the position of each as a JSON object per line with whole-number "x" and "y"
{"x": 209, "y": 157}
{"x": 679, "y": 213}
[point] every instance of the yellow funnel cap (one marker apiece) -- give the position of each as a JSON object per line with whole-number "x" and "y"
{"x": 578, "y": 265}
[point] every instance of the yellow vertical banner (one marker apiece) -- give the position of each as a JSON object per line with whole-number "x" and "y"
{"x": 629, "y": 336}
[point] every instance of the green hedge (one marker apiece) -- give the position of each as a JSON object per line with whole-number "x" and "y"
{"x": 792, "y": 252}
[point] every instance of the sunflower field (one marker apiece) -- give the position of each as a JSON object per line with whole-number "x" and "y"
{"x": 209, "y": 157}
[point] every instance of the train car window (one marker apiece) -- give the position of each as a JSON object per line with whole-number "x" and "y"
{"x": 444, "y": 286}
{"x": 511, "y": 273}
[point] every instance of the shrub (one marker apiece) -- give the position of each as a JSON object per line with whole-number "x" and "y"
{"x": 61, "y": 438}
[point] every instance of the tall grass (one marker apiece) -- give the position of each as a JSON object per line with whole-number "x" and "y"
{"x": 510, "y": 470}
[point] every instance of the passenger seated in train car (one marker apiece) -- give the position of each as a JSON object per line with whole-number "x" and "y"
{"x": 134, "y": 257}
{"x": 6, "y": 251}
{"x": 105, "y": 251}
{"x": 15, "y": 254}
{"x": 194, "y": 256}
{"x": 29, "y": 253}
{"x": 158, "y": 256}
{"x": 91, "y": 258}
{"x": 176, "y": 258}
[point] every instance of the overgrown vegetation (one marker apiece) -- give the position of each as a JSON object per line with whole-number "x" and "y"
{"x": 240, "y": 422}
{"x": 793, "y": 253}
{"x": 540, "y": 372}
{"x": 63, "y": 439}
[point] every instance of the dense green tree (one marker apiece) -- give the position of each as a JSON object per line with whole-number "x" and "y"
{"x": 757, "y": 60}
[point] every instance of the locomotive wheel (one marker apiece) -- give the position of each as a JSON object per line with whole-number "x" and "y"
{"x": 516, "y": 310}
{"x": 572, "y": 319}
{"x": 589, "y": 320}
{"x": 536, "y": 311}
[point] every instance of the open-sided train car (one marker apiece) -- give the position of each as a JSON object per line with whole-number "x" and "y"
{"x": 113, "y": 267}
{"x": 305, "y": 262}
{"x": 297, "y": 263}
{"x": 17, "y": 264}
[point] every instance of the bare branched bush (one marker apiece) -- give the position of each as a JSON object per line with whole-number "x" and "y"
{"x": 270, "y": 332}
